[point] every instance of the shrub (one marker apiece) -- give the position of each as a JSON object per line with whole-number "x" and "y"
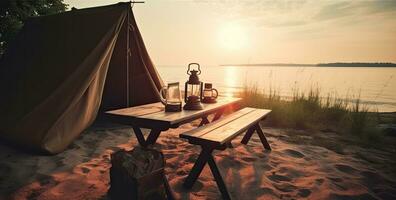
{"x": 311, "y": 111}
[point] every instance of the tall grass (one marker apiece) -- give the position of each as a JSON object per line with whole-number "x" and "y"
{"x": 309, "y": 110}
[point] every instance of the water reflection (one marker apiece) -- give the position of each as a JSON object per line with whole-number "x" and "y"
{"x": 231, "y": 79}
{"x": 375, "y": 86}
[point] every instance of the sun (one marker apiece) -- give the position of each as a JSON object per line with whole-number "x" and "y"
{"x": 232, "y": 37}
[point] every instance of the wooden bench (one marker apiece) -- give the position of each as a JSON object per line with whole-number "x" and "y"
{"x": 218, "y": 135}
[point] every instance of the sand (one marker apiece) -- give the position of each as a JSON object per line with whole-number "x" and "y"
{"x": 298, "y": 167}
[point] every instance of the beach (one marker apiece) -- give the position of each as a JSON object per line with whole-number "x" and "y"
{"x": 317, "y": 79}
{"x": 301, "y": 165}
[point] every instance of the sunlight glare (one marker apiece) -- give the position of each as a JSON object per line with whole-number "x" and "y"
{"x": 233, "y": 37}
{"x": 231, "y": 79}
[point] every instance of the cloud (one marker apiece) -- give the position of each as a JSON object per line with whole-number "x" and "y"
{"x": 379, "y": 6}
{"x": 292, "y": 13}
{"x": 355, "y": 8}
{"x": 335, "y": 10}
{"x": 289, "y": 23}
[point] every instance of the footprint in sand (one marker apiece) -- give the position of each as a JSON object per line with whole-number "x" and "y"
{"x": 278, "y": 178}
{"x": 345, "y": 168}
{"x": 304, "y": 192}
{"x": 177, "y": 185}
{"x": 285, "y": 187}
{"x": 85, "y": 170}
{"x": 335, "y": 179}
{"x": 249, "y": 159}
{"x": 319, "y": 181}
{"x": 267, "y": 190}
{"x": 181, "y": 172}
{"x": 293, "y": 153}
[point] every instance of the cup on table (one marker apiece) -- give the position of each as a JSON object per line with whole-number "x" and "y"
{"x": 209, "y": 94}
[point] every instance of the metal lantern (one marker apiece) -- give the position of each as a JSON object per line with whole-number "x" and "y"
{"x": 193, "y": 89}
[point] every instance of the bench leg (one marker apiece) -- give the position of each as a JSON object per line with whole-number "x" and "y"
{"x": 217, "y": 176}
{"x": 197, "y": 168}
{"x": 262, "y": 137}
{"x": 203, "y": 158}
{"x": 260, "y": 133}
{"x": 248, "y": 135}
{"x": 151, "y": 139}
{"x": 204, "y": 121}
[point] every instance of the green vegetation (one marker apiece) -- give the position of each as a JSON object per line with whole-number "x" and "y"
{"x": 309, "y": 111}
{"x": 13, "y": 13}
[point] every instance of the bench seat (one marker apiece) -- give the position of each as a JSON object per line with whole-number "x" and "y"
{"x": 218, "y": 135}
{"x": 224, "y": 130}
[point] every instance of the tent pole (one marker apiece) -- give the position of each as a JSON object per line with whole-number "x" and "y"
{"x": 127, "y": 61}
{"x": 128, "y": 52}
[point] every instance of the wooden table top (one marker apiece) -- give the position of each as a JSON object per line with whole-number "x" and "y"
{"x": 153, "y": 115}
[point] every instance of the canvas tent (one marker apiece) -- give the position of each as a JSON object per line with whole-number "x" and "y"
{"x": 61, "y": 69}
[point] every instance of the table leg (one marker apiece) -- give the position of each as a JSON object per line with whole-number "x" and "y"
{"x": 139, "y": 136}
{"x": 151, "y": 139}
{"x": 153, "y": 136}
{"x": 218, "y": 115}
{"x": 204, "y": 121}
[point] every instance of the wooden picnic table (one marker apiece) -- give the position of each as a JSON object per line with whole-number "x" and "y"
{"x": 153, "y": 117}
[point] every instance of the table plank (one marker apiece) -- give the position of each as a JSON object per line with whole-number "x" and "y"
{"x": 153, "y": 115}
{"x": 138, "y": 110}
{"x": 176, "y": 117}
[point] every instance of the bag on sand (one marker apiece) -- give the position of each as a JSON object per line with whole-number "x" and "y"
{"x": 138, "y": 174}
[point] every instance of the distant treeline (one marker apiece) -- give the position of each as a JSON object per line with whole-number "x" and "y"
{"x": 356, "y": 64}
{"x": 336, "y": 64}
{"x": 270, "y": 65}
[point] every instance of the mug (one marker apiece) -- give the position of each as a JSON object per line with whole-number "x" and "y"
{"x": 209, "y": 94}
{"x": 172, "y": 100}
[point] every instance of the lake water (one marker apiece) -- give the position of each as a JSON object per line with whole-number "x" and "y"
{"x": 376, "y": 86}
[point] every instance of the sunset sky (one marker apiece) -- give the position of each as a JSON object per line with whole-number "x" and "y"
{"x": 177, "y": 32}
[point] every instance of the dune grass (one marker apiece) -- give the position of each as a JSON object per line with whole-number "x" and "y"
{"x": 309, "y": 110}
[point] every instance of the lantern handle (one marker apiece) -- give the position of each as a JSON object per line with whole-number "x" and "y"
{"x": 199, "y": 68}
